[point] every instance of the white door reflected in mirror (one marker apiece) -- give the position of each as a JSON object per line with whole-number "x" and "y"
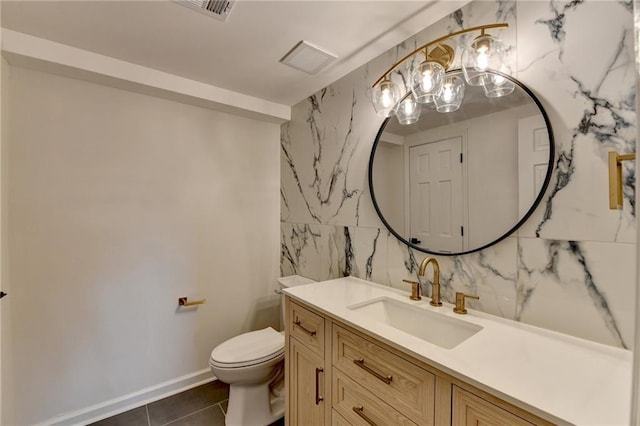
{"x": 435, "y": 194}
{"x": 533, "y": 154}
{"x": 431, "y": 202}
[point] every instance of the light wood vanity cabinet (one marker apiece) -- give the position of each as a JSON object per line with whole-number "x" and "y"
{"x": 358, "y": 405}
{"x": 402, "y": 384}
{"x": 469, "y": 409}
{"x": 308, "y": 328}
{"x": 366, "y": 382}
{"x": 306, "y": 369}
{"x": 306, "y": 403}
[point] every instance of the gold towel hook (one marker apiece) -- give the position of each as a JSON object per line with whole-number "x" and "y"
{"x": 615, "y": 178}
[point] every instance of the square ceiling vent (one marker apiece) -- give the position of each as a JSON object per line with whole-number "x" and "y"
{"x": 218, "y": 9}
{"x": 307, "y": 58}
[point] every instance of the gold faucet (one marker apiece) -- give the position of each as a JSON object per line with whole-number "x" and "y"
{"x": 435, "y": 285}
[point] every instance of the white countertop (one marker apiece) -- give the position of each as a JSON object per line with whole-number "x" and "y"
{"x": 561, "y": 378}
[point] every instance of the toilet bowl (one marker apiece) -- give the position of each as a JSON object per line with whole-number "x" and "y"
{"x": 253, "y": 366}
{"x": 251, "y": 363}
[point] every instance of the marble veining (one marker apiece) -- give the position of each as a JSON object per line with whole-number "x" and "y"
{"x": 506, "y": 10}
{"x": 556, "y": 23}
{"x": 591, "y": 103}
{"x": 410, "y": 262}
{"x": 458, "y": 17}
{"x": 565, "y": 263}
{"x": 349, "y": 263}
{"x": 570, "y": 256}
{"x": 564, "y": 168}
{"x": 300, "y": 245}
{"x": 317, "y": 137}
{"x": 331, "y": 180}
{"x": 598, "y": 297}
{"x": 370, "y": 258}
{"x": 285, "y": 144}
{"x": 341, "y": 166}
{"x": 607, "y": 123}
{"x": 490, "y": 274}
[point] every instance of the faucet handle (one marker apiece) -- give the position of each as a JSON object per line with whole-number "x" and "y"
{"x": 460, "y": 309}
{"x": 415, "y": 289}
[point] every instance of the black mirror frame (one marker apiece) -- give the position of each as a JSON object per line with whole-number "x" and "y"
{"x": 524, "y": 218}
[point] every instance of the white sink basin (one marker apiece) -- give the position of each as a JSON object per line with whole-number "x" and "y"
{"x": 433, "y": 327}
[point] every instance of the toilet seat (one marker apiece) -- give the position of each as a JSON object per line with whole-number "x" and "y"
{"x": 252, "y": 348}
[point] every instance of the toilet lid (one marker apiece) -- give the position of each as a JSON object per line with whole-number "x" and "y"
{"x": 248, "y": 348}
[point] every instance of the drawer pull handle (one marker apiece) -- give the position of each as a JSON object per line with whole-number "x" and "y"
{"x": 318, "y": 397}
{"x": 360, "y": 411}
{"x": 360, "y": 363}
{"x": 299, "y": 324}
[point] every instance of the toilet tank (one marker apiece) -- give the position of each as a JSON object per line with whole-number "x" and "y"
{"x": 286, "y": 282}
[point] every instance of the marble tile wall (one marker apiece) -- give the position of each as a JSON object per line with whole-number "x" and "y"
{"x": 571, "y": 267}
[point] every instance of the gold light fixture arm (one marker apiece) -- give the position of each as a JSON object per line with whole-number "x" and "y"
{"x": 426, "y": 46}
{"x": 615, "y": 178}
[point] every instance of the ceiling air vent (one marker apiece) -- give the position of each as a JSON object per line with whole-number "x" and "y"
{"x": 218, "y": 9}
{"x": 307, "y": 58}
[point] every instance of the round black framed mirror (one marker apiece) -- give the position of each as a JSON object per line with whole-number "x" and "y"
{"x": 458, "y": 182}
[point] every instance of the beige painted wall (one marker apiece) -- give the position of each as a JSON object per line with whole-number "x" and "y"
{"x": 5, "y": 359}
{"x": 118, "y": 204}
{"x": 6, "y": 356}
{"x": 388, "y": 179}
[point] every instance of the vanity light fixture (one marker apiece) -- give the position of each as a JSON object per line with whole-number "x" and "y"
{"x": 408, "y": 111}
{"x": 450, "y": 95}
{"x": 432, "y": 81}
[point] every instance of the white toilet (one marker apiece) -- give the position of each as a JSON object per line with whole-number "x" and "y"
{"x": 253, "y": 365}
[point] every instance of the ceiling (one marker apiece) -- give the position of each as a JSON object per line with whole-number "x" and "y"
{"x": 241, "y": 54}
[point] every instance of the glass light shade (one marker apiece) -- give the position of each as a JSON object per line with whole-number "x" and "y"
{"x": 385, "y": 97}
{"x": 484, "y": 53}
{"x": 408, "y": 111}
{"x": 426, "y": 79}
{"x": 451, "y": 94}
{"x": 496, "y": 85}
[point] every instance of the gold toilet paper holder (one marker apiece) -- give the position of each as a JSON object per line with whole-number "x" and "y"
{"x": 184, "y": 301}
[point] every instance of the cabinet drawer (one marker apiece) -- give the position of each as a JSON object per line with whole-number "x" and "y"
{"x": 338, "y": 420}
{"x": 358, "y": 406}
{"x": 307, "y": 327}
{"x": 404, "y": 385}
{"x": 469, "y": 409}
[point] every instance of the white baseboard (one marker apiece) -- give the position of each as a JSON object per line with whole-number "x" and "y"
{"x": 124, "y": 403}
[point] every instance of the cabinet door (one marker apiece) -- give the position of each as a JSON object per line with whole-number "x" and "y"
{"x": 306, "y": 383}
{"x": 469, "y": 409}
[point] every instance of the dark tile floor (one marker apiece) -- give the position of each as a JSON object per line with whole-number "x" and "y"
{"x": 205, "y": 405}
